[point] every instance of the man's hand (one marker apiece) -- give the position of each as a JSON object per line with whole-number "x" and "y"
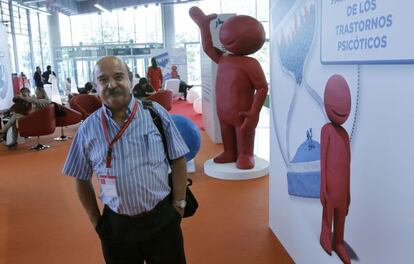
{"x": 95, "y": 221}
{"x": 199, "y": 17}
{"x": 180, "y": 211}
{"x": 249, "y": 121}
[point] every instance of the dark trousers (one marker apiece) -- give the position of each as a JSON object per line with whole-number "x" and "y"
{"x": 155, "y": 237}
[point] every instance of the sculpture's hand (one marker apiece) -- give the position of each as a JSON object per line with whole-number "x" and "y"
{"x": 200, "y": 18}
{"x": 249, "y": 121}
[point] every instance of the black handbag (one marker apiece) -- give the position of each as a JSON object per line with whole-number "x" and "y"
{"x": 192, "y": 203}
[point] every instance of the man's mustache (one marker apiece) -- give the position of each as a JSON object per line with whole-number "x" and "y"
{"x": 114, "y": 92}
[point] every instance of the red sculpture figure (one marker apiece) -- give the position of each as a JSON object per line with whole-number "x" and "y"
{"x": 335, "y": 167}
{"x": 241, "y": 86}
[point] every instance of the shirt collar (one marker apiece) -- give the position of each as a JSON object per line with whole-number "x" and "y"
{"x": 129, "y": 110}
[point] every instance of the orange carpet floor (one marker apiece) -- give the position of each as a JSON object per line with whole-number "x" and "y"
{"x": 42, "y": 221}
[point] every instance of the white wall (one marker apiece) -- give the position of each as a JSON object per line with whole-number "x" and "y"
{"x": 379, "y": 226}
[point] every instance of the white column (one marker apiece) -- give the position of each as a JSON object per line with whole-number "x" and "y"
{"x": 54, "y": 36}
{"x": 168, "y": 26}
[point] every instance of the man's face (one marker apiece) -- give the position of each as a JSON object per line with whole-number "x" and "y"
{"x": 113, "y": 83}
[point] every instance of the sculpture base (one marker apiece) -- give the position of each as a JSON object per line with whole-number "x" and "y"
{"x": 191, "y": 166}
{"x": 229, "y": 171}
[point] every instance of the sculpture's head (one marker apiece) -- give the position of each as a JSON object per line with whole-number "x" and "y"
{"x": 337, "y": 99}
{"x": 242, "y": 35}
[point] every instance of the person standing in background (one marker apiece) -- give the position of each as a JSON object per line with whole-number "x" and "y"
{"x": 68, "y": 85}
{"x": 38, "y": 77}
{"x": 47, "y": 73}
{"x": 154, "y": 75}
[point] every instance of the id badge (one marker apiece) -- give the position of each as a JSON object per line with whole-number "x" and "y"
{"x": 108, "y": 185}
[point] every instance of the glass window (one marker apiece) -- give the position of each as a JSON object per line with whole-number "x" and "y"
{"x": 148, "y": 24}
{"x": 4, "y": 15}
{"x": 65, "y": 70}
{"x": 262, "y": 10}
{"x": 126, "y": 24}
{"x": 20, "y": 21}
{"x": 44, "y": 38}
{"x": 185, "y": 28}
{"x": 22, "y": 40}
{"x": 65, "y": 30}
{"x": 141, "y": 24}
{"x": 24, "y": 55}
{"x": 193, "y": 64}
{"x": 37, "y": 53}
{"x": 87, "y": 29}
{"x": 263, "y": 56}
{"x": 82, "y": 72}
{"x": 110, "y": 27}
{"x": 211, "y": 6}
{"x": 11, "y": 49}
{"x": 141, "y": 67}
{"x": 241, "y": 8}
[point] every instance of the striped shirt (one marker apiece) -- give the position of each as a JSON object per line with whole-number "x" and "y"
{"x": 138, "y": 158}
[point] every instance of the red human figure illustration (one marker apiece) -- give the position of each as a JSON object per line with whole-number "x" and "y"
{"x": 335, "y": 167}
{"x": 241, "y": 86}
{"x": 174, "y": 73}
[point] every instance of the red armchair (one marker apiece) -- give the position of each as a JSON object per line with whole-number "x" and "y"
{"x": 38, "y": 123}
{"x": 163, "y": 97}
{"x": 85, "y": 104}
{"x": 71, "y": 95}
{"x": 70, "y": 117}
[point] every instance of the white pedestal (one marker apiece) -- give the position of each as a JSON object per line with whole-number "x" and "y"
{"x": 191, "y": 166}
{"x": 229, "y": 171}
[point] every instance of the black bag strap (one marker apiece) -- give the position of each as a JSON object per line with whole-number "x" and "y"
{"x": 147, "y": 104}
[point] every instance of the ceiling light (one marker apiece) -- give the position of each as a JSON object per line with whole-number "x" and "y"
{"x": 103, "y": 9}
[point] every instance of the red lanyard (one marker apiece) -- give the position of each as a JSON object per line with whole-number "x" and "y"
{"x": 118, "y": 135}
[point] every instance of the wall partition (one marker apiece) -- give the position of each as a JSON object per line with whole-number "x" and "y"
{"x": 311, "y": 42}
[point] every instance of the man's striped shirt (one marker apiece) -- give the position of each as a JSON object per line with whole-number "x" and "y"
{"x": 138, "y": 158}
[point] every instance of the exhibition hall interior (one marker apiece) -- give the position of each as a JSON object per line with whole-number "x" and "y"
{"x": 206, "y": 131}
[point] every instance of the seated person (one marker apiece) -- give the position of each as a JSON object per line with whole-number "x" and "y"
{"x": 19, "y": 109}
{"x": 41, "y": 100}
{"x": 22, "y": 107}
{"x": 183, "y": 88}
{"x": 142, "y": 89}
{"x": 88, "y": 89}
{"x": 82, "y": 90}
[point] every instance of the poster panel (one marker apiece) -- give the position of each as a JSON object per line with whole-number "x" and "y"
{"x": 6, "y": 87}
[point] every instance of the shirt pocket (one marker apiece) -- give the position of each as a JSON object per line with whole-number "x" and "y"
{"x": 97, "y": 155}
{"x": 154, "y": 147}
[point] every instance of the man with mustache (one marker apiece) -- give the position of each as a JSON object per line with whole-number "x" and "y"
{"x": 121, "y": 144}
